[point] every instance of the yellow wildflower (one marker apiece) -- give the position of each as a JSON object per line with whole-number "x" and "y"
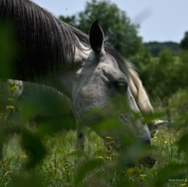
{"x": 165, "y": 142}
{"x": 72, "y": 150}
{"x": 154, "y": 140}
{"x": 155, "y": 120}
{"x": 13, "y": 83}
{"x": 117, "y": 154}
{"x": 10, "y": 99}
{"x": 109, "y": 157}
{"x": 2, "y": 114}
{"x": 108, "y": 137}
{"x": 85, "y": 143}
{"x": 112, "y": 141}
{"x": 10, "y": 107}
{"x": 143, "y": 175}
{"x": 100, "y": 157}
{"x": 155, "y": 137}
{"x": 133, "y": 171}
{"x": 13, "y": 89}
{"x": 184, "y": 184}
{"x": 0, "y": 117}
{"x": 22, "y": 156}
{"x": 164, "y": 135}
{"x": 130, "y": 170}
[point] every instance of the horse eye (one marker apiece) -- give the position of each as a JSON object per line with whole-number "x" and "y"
{"x": 121, "y": 87}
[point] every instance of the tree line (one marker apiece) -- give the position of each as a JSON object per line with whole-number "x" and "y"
{"x": 156, "y": 47}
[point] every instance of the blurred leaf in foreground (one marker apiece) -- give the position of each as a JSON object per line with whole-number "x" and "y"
{"x": 168, "y": 172}
{"x": 86, "y": 168}
{"x": 34, "y": 148}
{"x": 30, "y": 180}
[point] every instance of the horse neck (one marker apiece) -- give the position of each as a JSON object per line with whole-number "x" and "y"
{"x": 67, "y": 79}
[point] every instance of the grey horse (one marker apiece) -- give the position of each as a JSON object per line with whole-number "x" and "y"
{"x": 85, "y": 69}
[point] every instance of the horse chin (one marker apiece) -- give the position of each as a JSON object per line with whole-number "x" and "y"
{"x": 148, "y": 161}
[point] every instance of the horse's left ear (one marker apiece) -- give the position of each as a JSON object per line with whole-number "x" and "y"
{"x": 96, "y": 37}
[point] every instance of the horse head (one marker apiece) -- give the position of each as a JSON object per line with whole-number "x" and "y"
{"x": 103, "y": 77}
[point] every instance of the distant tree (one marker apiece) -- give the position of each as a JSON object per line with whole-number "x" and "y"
{"x": 156, "y": 47}
{"x": 184, "y": 42}
{"x": 159, "y": 72}
{"x": 124, "y": 36}
{"x": 183, "y": 69}
{"x": 160, "y": 77}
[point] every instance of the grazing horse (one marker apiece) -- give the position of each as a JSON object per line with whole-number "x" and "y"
{"x": 86, "y": 69}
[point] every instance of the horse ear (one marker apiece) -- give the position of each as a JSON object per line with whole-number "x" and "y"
{"x": 96, "y": 37}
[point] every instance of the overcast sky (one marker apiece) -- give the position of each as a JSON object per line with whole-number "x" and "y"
{"x": 160, "y": 20}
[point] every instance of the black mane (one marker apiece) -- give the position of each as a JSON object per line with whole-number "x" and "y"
{"x": 46, "y": 42}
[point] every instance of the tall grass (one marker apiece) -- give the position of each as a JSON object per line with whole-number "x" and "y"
{"x": 62, "y": 163}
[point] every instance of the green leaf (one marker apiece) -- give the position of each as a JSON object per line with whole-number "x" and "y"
{"x": 167, "y": 172}
{"x": 29, "y": 180}
{"x": 86, "y": 168}
{"x": 33, "y": 147}
{"x": 183, "y": 143}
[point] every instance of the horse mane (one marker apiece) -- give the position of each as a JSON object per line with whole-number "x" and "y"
{"x": 138, "y": 91}
{"x": 47, "y": 44}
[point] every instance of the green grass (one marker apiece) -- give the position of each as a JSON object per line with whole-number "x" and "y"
{"x": 60, "y": 166}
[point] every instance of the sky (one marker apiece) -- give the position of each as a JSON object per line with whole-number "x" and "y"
{"x": 160, "y": 20}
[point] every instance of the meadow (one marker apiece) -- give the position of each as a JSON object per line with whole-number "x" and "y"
{"x": 46, "y": 155}
{"x": 59, "y": 167}
{"x": 63, "y": 165}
